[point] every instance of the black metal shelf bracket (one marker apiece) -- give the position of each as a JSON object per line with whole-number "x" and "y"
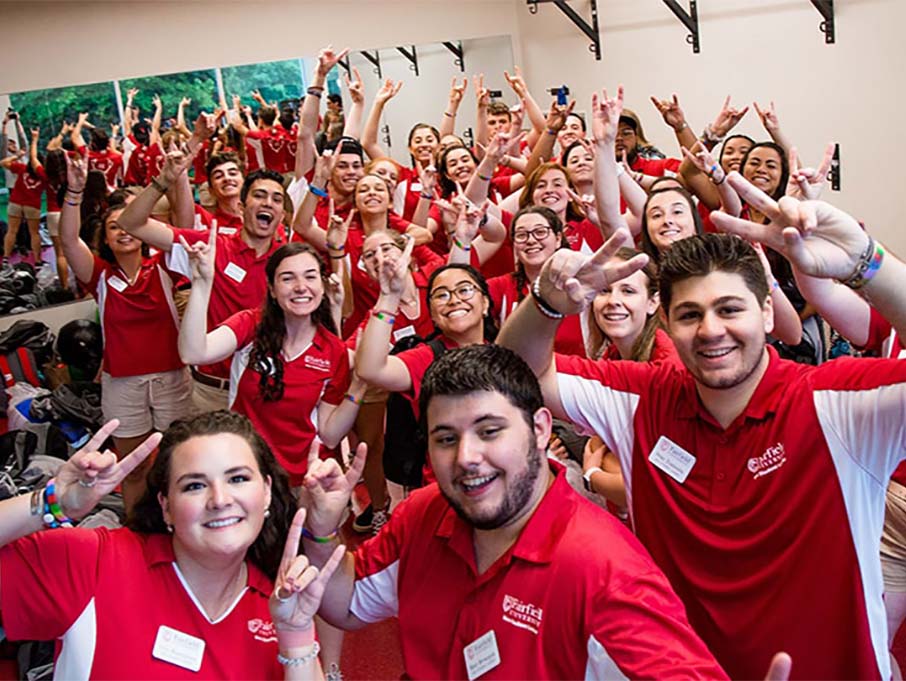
{"x": 826, "y": 9}
{"x": 375, "y": 59}
{"x": 590, "y": 30}
{"x": 834, "y": 173}
{"x": 411, "y": 57}
{"x": 344, "y": 62}
{"x": 689, "y": 20}
{"x": 458, "y": 53}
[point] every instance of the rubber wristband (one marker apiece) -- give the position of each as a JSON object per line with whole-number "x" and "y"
{"x": 384, "y": 316}
{"x": 320, "y": 540}
{"x": 551, "y": 132}
{"x": 352, "y": 398}
{"x": 429, "y": 197}
{"x": 486, "y": 178}
{"x": 159, "y": 186}
{"x": 460, "y": 246}
{"x": 317, "y": 192}
{"x": 332, "y": 247}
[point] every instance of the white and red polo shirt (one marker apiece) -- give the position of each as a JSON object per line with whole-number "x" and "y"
{"x": 132, "y": 314}
{"x": 575, "y": 597}
{"x": 239, "y": 283}
{"x": 106, "y": 595}
{"x": 769, "y": 529}
{"x": 320, "y": 372}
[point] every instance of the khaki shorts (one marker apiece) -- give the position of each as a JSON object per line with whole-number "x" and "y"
{"x": 53, "y": 224}
{"x": 17, "y": 210}
{"x": 207, "y": 398}
{"x": 147, "y": 402}
{"x": 893, "y": 540}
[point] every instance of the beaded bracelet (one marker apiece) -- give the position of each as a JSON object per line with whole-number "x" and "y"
{"x": 351, "y": 398}
{"x": 486, "y": 178}
{"x": 53, "y": 513}
{"x": 869, "y": 263}
{"x": 461, "y": 246}
{"x": 317, "y": 192}
{"x": 299, "y": 661}
{"x": 320, "y": 540}
{"x": 159, "y": 186}
{"x": 384, "y": 316}
{"x": 543, "y": 306}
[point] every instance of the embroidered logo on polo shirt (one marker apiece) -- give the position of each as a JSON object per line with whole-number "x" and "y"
{"x": 317, "y": 363}
{"x": 263, "y": 631}
{"x": 772, "y": 459}
{"x": 521, "y": 614}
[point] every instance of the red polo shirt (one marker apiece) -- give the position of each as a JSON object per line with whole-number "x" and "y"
{"x": 583, "y": 235}
{"x": 227, "y": 223}
{"x": 570, "y": 337}
{"x": 320, "y": 372}
{"x": 239, "y": 283}
{"x": 28, "y": 188}
{"x": 656, "y": 167}
{"x": 882, "y": 338}
{"x": 105, "y": 596}
{"x": 772, "y": 538}
{"x": 575, "y": 597}
{"x": 133, "y": 314}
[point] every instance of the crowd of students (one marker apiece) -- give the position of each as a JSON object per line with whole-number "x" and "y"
{"x": 289, "y": 298}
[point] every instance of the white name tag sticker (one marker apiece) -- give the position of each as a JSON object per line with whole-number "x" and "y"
{"x": 178, "y": 648}
{"x": 481, "y": 655}
{"x": 672, "y": 459}
{"x": 117, "y": 283}
{"x": 405, "y": 332}
{"x": 416, "y": 186}
{"x": 226, "y": 231}
{"x": 234, "y": 272}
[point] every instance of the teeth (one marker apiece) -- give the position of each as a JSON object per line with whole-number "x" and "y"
{"x": 222, "y": 523}
{"x": 716, "y": 353}
{"x": 456, "y": 314}
{"x": 616, "y": 317}
{"x": 472, "y": 483}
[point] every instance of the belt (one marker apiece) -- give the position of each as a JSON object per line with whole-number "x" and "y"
{"x": 211, "y": 381}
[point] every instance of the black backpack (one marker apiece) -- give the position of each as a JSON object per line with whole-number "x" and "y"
{"x": 27, "y": 333}
{"x": 405, "y": 447}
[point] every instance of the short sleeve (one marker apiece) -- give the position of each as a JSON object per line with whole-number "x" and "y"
{"x": 46, "y": 580}
{"x": 878, "y": 332}
{"x": 417, "y": 361}
{"x": 177, "y": 259}
{"x": 339, "y": 382}
{"x": 242, "y": 324}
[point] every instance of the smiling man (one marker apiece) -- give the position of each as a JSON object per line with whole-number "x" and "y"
{"x": 240, "y": 280}
{"x": 756, "y": 483}
{"x": 500, "y": 570}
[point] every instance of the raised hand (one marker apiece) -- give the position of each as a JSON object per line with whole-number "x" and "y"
{"x": 587, "y": 201}
{"x": 388, "y": 90}
{"x": 809, "y": 183}
{"x": 90, "y": 474}
{"x": 392, "y": 270}
{"x": 185, "y": 101}
{"x": 76, "y": 172}
{"x": 299, "y": 586}
{"x": 457, "y": 91}
{"x": 327, "y": 59}
{"x": 570, "y": 280}
{"x": 557, "y": 115}
{"x": 324, "y": 167}
{"x": 671, "y": 111}
{"x": 815, "y": 237}
{"x": 605, "y": 116}
{"x": 157, "y": 103}
{"x": 468, "y": 222}
{"x": 202, "y": 255}
{"x": 482, "y": 94}
{"x": 338, "y": 228}
{"x": 517, "y": 82}
{"x": 35, "y": 134}
{"x": 504, "y": 143}
{"x": 355, "y": 86}
{"x": 428, "y": 177}
{"x": 328, "y": 489}
{"x": 177, "y": 161}
{"x": 702, "y": 159}
{"x": 781, "y": 666}
{"x": 114, "y": 130}
{"x": 727, "y": 119}
{"x": 130, "y": 94}
{"x": 768, "y": 116}
{"x": 205, "y": 126}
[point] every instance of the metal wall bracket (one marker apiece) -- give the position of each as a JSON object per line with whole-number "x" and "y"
{"x": 689, "y": 20}
{"x": 458, "y": 53}
{"x": 411, "y": 57}
{"x": 590, "y": 30}
{"x": 375, "y": 59}
{"x": 826, "y": 9}
{"x": 834, "y": 173}
{"x": 344, "y": 62}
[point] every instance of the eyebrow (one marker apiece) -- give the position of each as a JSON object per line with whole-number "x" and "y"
{"x": 202, "y": 476}
{"x": 720, "y": 301}
{"x": 484, "y": 418}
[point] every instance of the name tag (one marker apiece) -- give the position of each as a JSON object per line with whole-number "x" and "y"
{"x": 234, "y": 272}
{"x": 672, "y": 459}
{"x": 117, "y": 283}
{"x": 399, "y": 334}
{"x": 178, "y": 648}
{"x": 481, "y": 655}
{"x": 226, "y": 231}
{"x": 416, "y": 186}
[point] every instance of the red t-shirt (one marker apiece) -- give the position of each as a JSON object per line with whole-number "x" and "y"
{"x": 240, "y": 281}
{"x": 139, "y": 320}
{"x": 656, "y": 167}
{"x": 144, "y": 163}
{"x": 576, "y": 596}
{"x": 28, "y": 188}
{"x": 104, "y": 596}
{"x": 272, "y": 143}
{"x": 411, "y": 187}
{"x": 108, "y": 162}
{"x": 569, "y": 340}
{"x": 49, "y": 192}
{"x": 583, "y": 235}
{"x": 320, "y": 372}
{"x": 767, "y": 529}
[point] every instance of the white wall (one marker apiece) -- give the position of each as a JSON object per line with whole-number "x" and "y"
{"x": 849, "y": 92}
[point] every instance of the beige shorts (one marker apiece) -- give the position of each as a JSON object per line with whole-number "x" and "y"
{"x": 893, "y": 540}
{"x": 17, "y": 210}
{"x": 207, "y": 398}
{"x": 147, "y": 402}
{"x": 53, "y": 224}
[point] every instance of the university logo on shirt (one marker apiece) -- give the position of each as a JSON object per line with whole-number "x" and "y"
{"x": 772, "y": 459}
{"x": 521, "y": 614}
{"x": 263, "y": 631}
{"x": 317, "y": 363}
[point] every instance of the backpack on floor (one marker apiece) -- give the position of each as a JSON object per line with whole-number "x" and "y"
{"x": 405, "y": 446}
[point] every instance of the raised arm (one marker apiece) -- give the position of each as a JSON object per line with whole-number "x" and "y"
{"x": 181, "y": 116}
{"x": 673, "y": 115}
{"x": 136, "y": 217}
{"x": 824, "y": 242}
{"x": 155, "y": 120}
{"x": 33, "y": 148}
{"x": 605, "y": 120}
{"x": 196, "y": 344}
{"x": 78, "y": 141}
{"x": 77, "y": 253}
{"x": 373, "y": 361}
{"x": 703, "y": 161}
{"x": 838, "y": 305}
{"x": 543, "y": 149}
{"x": 387, "y": 91}
{"x": 771, "y": 124}
{"x": 304, "y": 223}
{"x": 129, "y": 111}
{"x": 448, "y": 124}
{"x": 787, "y": 324}
{"x": 532, "y": 110}
{"x": 353, "y": 125}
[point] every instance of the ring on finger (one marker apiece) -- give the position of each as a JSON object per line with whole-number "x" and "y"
{"x": 280, "y": 598}
{"x": 87, "y": 483}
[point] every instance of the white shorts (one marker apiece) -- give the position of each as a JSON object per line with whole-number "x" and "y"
{"x": 147, "y": 402}
{"x": 17, "y": 210}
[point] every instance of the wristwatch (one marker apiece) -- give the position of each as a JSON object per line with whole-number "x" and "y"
{"x": 587, "y": 476}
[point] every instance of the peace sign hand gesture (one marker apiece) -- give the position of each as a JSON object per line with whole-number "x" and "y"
{"x": 90, "y": 474}
{"x": 299, "y": 586}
